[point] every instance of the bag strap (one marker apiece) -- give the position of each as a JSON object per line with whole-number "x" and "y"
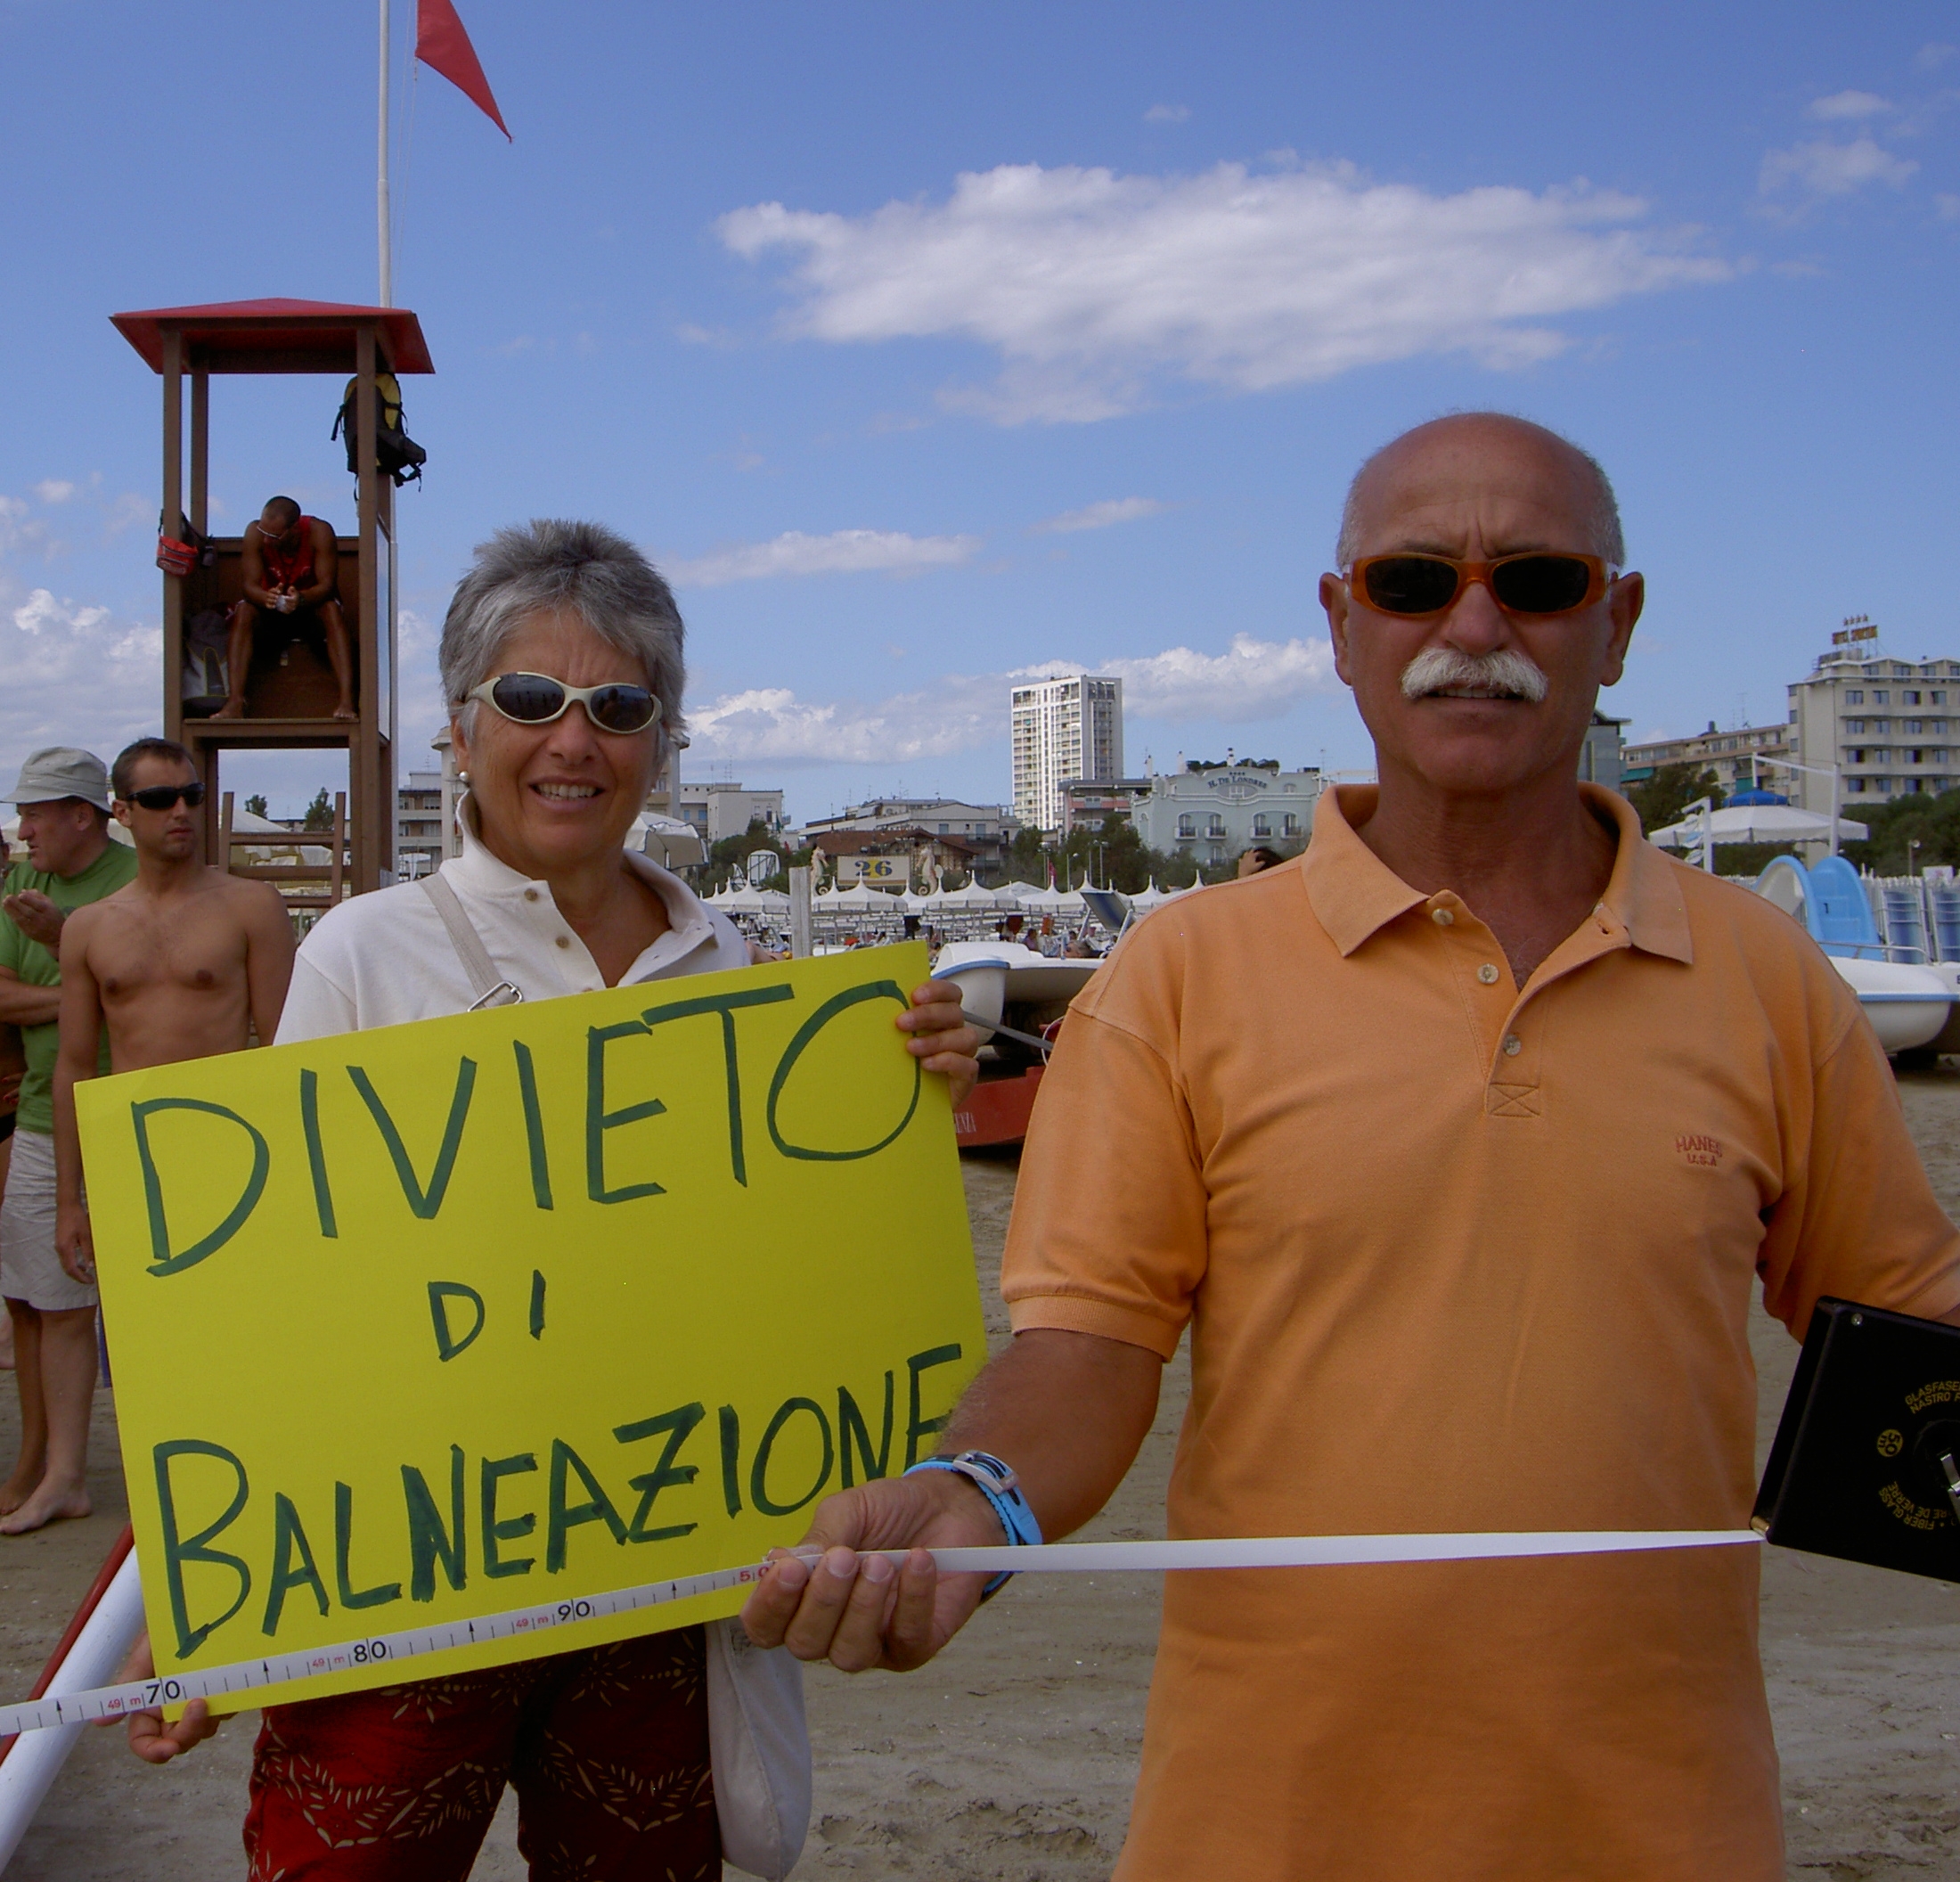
{"x": 491, "y": 989}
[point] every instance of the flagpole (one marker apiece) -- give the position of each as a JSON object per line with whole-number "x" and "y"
{"x": 380, "y": 185}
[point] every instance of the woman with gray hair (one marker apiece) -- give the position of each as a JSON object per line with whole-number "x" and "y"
{"x": 562, "y": 664}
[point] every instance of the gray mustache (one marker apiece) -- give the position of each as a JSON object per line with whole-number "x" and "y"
{"x": 1503, "y": 671}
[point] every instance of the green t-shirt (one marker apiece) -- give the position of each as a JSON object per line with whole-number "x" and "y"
{"x": 29, "y": 961}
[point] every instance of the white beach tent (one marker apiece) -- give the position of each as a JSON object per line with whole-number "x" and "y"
{"x": 1759, "y": 823}
{"x": 859, "y": 900}
{"x": 1062, "y": 903}
{"x": 249, "y": 824}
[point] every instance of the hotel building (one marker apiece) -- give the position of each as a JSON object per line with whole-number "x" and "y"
{"x": 1063, "y": 728}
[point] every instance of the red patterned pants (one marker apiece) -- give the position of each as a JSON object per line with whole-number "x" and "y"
{"x": 606, "y": 1747}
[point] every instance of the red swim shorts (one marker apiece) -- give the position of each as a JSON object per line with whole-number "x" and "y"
{"x": 607, "y": 1749}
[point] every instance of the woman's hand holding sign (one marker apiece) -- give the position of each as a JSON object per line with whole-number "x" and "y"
{"x": 941, "y": 1040}
{"x": 150, "y": 1738}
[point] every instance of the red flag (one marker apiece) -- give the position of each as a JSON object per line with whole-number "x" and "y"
{"x": 442, "y": 44}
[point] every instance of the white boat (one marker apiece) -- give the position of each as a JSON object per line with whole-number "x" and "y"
{"x": 1913, "y": 1005}
{"x": 993, "y": 976}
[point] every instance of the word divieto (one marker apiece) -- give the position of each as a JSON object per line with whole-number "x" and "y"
{"x": 425, "y": 1196}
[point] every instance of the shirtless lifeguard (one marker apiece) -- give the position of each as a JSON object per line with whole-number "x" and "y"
{"x": 183, "y": 962}
{"x": 291, "y": 568}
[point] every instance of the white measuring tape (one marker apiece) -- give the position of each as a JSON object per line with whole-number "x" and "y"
{"x": 1278, "y": 1551}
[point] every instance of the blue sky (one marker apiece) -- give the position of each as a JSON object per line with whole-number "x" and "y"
{"x": 923, "y": 345}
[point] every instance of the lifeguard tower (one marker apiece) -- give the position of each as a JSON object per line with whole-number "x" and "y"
{"x": 290, "y": 691}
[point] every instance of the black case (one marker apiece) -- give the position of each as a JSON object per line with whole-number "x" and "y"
{"x": 1854, "y": 1471}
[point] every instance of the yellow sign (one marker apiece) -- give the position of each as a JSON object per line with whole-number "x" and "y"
{"x": 424, "y": 1323}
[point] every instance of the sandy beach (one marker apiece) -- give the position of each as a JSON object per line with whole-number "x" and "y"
{"x": 1011, "y": 1758}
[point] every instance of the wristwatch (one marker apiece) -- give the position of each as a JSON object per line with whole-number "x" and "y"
{"x": 996, "y": 1481}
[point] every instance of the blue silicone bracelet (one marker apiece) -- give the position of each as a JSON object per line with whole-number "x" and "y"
{"x": 995, "y": 1481}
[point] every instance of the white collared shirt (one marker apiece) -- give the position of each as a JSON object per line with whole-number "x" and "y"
{"x": 386, "y": 958}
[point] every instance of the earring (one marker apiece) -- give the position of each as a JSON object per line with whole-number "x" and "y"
{"x": 462, "y": 777}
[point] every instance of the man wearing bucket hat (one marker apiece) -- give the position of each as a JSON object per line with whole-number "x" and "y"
{"x": 63, "y": 797}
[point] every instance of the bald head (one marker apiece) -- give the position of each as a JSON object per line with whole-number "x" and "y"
{"x": 1467, "y": 442}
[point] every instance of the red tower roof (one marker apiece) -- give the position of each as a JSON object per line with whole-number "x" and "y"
{"x": 276, "y": 336}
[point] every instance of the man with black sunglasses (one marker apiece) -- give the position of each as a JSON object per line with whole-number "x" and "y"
{"x": 62, "y": 795}
{"x": 1459, "y": 1146}
{"x": 182, "y": 962}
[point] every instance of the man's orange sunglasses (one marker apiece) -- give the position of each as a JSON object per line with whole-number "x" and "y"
{"x": 1537, "y": 582}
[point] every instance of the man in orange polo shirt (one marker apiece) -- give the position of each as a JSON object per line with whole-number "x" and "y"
{"x": 1458, "y": 1146}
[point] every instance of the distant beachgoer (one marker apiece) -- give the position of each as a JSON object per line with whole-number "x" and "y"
{"x": 1460, "y": 1152}
{"x": 64, "y": 800}
{"x": 290, "y": 566}
{"x": 561, "y": 660}
{"x": 13, "y": 1065}
{"x": 1251, "y": 862}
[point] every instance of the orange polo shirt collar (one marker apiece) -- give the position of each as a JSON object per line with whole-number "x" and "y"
{"x": 1356, "y": 895}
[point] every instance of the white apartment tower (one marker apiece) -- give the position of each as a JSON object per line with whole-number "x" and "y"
{"x": 1890, "y": 726}
{"x": 1063, "y": 728}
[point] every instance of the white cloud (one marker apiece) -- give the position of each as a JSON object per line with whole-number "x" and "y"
{"x": 18, "y": 529}
{"x": 1091, "y": 285}
{"x": 1851, "y": 104}
{"x": 1931, "y": 58}
{"x": 1253, "y": 679}
{"x": 844, "y": 551}
{"x": 129, "y": 510}
{"x": 1099, "y": 516}
{"x": 1947, "y": 207}
{"x": 1824, "y": 169}
{"x": 772, "y": 724}
{"x": 75, "y": 676}
{"x": 1167, "y": 114}
{"x": 41, "y": 610}
{"x": 55, "y": 490}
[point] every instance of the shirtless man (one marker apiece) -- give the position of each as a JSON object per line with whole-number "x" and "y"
{"x": 183, "y": 962}
{"x": 291, "y": 566}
